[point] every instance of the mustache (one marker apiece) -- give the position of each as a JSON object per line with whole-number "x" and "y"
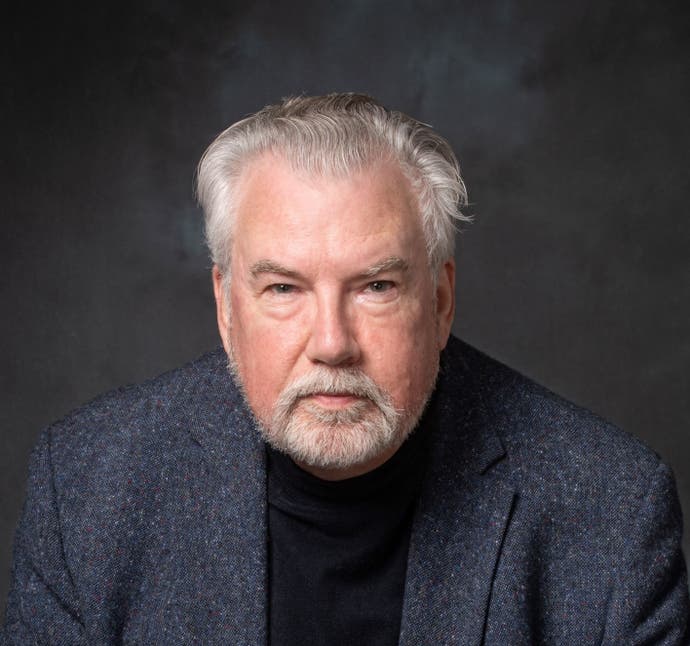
{"x": 339, "y": 381}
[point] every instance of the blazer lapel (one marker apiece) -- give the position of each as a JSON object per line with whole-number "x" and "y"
{"x": 461, "y": 518}
{"x": 235, "y": 572}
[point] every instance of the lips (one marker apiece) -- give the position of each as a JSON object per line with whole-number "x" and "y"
{"x": 334, "y": 400}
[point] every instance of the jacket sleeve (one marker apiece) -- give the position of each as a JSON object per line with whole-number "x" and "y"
{"x": 42, "y": 606}
{"x": 649, "y": 604}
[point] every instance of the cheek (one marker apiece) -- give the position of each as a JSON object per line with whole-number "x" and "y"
{"x": 402, "y": 356}
{"x": 265, "y": 352}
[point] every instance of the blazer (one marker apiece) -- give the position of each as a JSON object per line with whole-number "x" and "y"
{"x": 145, "y": 521}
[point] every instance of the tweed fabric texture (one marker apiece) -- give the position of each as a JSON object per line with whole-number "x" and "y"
{"x": 538, "y": 522}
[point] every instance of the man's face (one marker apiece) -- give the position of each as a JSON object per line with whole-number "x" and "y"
{"x": 334, "y": 325}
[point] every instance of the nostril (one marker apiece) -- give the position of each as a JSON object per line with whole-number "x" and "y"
{"x": 332, "y": 347}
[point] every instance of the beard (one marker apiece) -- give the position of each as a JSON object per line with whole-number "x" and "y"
{"x": 324, "y": 438}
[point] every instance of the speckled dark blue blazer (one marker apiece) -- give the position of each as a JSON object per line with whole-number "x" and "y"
{"x": 538, "y": 523}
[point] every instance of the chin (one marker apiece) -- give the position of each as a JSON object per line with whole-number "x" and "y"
{"x": 340, "y": 440}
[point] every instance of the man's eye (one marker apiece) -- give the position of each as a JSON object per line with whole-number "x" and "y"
{"x": 282, "y": 288}
{"x": 380, "y": 286}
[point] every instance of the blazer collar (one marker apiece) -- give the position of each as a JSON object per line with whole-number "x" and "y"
{"x": 236, "y": 482}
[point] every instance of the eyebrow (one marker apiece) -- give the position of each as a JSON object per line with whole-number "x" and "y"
{"x": 393, "y": 263}
{"x": 271, "y": 267}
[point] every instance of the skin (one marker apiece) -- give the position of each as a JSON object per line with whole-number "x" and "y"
{"x": 332, "y": 271}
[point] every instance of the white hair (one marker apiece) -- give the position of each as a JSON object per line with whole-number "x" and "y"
{"x": 337, "y": 134}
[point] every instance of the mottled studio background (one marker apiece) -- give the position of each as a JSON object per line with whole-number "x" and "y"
{"x": 570, "y": 120}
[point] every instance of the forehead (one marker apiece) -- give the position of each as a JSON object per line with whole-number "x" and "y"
{"x": 280, "y": 208}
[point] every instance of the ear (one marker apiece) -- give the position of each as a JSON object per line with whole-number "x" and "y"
{"x": 445, "y": 302}
{"x": 222, "y": 307}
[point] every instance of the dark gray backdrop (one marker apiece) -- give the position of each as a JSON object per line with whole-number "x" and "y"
{"x": 570, "y": 121}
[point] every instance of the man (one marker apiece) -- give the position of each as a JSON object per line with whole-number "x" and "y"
{"x": 355, "y": 477}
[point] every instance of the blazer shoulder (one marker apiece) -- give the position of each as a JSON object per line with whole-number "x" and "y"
{"x": 141, "y": 417}
{"x": 544, "y": 433}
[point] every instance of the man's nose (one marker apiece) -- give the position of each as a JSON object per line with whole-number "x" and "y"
{"x": 332, "y": 340}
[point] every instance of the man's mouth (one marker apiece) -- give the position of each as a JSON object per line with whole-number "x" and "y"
{"x": 333, "y": 401}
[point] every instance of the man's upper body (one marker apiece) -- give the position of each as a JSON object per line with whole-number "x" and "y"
{"x": 290, "y": 498}
{"x": 537, "y": 522}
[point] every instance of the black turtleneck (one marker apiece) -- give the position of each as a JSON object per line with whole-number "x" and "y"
{"x": 338, "y": 550}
